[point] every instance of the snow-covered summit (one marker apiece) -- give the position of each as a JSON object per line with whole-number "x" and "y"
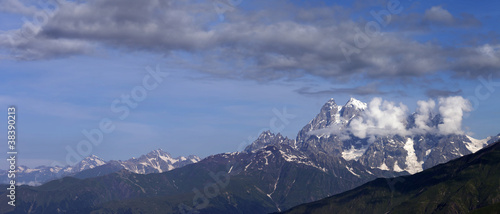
{"x": 356, "y": 104}
{"x": 89, "y": 162}
{"x": 332, "y": 114}
{"x": 330, "y": 104}
{"x": 157, "y": 161}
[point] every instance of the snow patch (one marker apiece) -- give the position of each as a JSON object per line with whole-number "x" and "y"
{"x": 352, "y": 171}
{"x": 456, "y": 152}
{"x": 475, "y": 144}
{"x": 247, "y": 166}
{"x": 99, "y": 162}
{"x": 337, "y": 115}
{"x": 397, "y": 168}
{"x": 383, "y": 166}
{"x": 412, "y": 164}
{"x": 31, "y": 170}
{"x": 300, "y": 160}
{"x": 353, "y": 153}
{"x": 357, "y": 104}
{"x": 168, "y": 159}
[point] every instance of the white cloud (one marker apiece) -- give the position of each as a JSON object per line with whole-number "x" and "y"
{"x": 452, "y": 110}
{"x": 423, "y": 115}
{"x": 439, "y": 15}
{"x": 381, "y": 118}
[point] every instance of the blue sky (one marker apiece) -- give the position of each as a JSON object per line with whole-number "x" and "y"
{"x": 228, "y": 77}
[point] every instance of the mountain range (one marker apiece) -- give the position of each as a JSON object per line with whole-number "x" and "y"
{"x": 272, "y": 174}
{"x": 156, "y": 161}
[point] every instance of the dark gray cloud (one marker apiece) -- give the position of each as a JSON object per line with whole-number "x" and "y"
{"x": 362, "y": 91}
{"x": 480, "y": 60}
{"x": 259, "y": 44}
{"x": 436, "y": 93}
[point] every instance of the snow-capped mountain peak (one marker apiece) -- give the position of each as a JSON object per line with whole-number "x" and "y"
{"x": 157, "y": 161}
{"x": 351, "y": 109}
{"x": 356, "y": 104}
{"x": 330, "y": 104}
{"x": 158, "y": 153}
{"x": 89, "y": 162}
{"x": 333, "y": 114}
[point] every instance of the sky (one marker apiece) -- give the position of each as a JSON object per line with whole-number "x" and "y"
{"x": 119, "y": 78}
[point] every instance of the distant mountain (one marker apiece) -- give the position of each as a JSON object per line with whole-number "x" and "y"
{"x": 470, "y": 183}
{"x": 42, "y": 174}
{"x": 89, "y": 162}
{"x": 267, "y": 138}
{"x": 156, "y": 161}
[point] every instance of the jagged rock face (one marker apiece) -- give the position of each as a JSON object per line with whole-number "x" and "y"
{"x": 417, "y": 153}
{"x": 435, "y": 150}
{"x": 414, "y": 154}
{"x": 331, "y": 116}
{"x": 386, "y": 154}
{"x": 327, "y": 116}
